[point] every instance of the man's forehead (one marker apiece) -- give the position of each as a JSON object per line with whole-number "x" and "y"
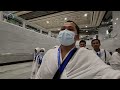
{"x": 70, "y": 24}
{"x": 95, "y": 41}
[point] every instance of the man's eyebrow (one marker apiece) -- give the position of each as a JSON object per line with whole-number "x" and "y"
{"x": 70, "y": 26}
{"x": 67, "y": 26}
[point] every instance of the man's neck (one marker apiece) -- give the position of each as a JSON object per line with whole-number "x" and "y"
{"x": 97, "y": 50}
{"x": 66, "y": 48}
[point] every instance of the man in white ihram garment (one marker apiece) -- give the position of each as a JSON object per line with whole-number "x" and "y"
{"x": 102, "y": 53}
{"x": 115, "y": 60}
{"x": 38, "y": 55}
{"x": 84, "y": 64}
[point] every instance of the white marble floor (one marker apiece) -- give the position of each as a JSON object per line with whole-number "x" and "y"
{"x": 16, "y": 71}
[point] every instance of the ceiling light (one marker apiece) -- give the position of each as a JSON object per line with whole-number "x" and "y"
{"x": 114, "y": 23}
{"x": 86, "y": 26}
{"x": 86, "y": 31}
{"x": 81, "y": 36}
{"x": 116, "y": 18}
{"x": 58, "y": 28}
{"x": 47, "y": 21}
{"x": 107, "y": 32}
{"x": 85, "y": 15}
{"x": 65, "y": 18}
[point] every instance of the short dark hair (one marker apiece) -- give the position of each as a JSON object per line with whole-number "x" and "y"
{"x": 116, "y": 50}
{"x": 76, "y": 26}
{"x": 82, "y": 41}
{"x": 94, "y": 40}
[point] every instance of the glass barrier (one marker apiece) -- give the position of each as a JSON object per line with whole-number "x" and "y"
{"x": 12, "y": 20}
{"x": 19, "y": 21}
{"x": 32, "y": 28}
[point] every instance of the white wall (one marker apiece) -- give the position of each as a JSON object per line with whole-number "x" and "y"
{"x": 17, "y": 40}
{"x": 102, "y": 32}
{"x": 108, "y": 44}
{"x": 116, "y": 27}
{"x": 112, "y": 43}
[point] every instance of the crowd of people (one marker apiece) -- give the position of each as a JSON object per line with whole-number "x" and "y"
{"x": 68, "y": 62}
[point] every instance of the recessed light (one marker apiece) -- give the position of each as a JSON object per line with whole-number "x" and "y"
{"x": 86, "y": 26}
{"x": 116, "y": 18}
{"x": 86, "y": 31}
{"x": 47, "y": 21}
{"x": 107, "y": 32}
{"x": 85, "y": 14}
{"x": 115, "y": 23}
{"x": 65, "y": 18}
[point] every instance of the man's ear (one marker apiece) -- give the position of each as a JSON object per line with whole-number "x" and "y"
{"x": 77, "y": 37}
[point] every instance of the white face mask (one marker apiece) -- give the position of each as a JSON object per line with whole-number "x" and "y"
{"x": 66, "y": 37}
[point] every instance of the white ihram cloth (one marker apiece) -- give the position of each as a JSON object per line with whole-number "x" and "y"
{"x": 102, "y": 55}
{"x": 115, "y": 60}
{"x": 84, "y": 65}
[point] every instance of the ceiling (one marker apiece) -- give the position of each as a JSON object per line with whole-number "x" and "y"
{"x": 31, "y": 15}
{"x": 55, "y": 19}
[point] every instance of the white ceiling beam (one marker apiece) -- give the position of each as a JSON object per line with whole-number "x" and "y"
{"x": 91, "y": 19}
{"x": 101, "y": 15}
{"x": 51, "y": 15}
{"x": 95, "y": 17}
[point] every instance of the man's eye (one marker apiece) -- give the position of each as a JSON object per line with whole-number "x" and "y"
{"x": 62, "y": 28}
{"x": 71, "y": 29}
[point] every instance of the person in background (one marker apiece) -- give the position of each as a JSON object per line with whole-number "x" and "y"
{"x": 82, "y": 43}
{"x": 115, "y": 60}
{"x": 37, "y": 61}
{"x": 103, "y": 54}
{"x": 68, "y": 62}
{"x": 36, "y": 51}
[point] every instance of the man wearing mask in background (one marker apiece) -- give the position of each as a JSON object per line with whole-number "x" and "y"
{"x": 115, "y": 60}
{"x": 103, "y": 54}
{"x": 36, "y": 51}
{"x": 68, "y": 62}
{"x": 37, "y": 62}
